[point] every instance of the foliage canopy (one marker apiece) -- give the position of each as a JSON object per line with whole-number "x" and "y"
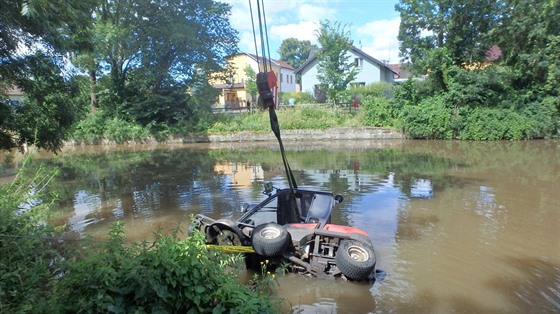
{"x": 491, "y": 66}
{"x": 140, "y": 62}
{"x": 295, "y": 52}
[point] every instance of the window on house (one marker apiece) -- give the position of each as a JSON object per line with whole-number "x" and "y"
{"x": 280, "y": 77}
{"x": 359, "y": 62}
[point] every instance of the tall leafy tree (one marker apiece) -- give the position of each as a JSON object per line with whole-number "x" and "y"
{"x": 34, "y": 35}
{"x": 529, "y": 37}
{"x": 150, "y": 51}
{"x": 437, "y": 34}
{"x": 34, "y": 22}
{"x": 335, "y": 69}
{"x": 295, "y": 52}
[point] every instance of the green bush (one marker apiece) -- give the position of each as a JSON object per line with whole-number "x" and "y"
{"x": 488, "y": 124}
{"x": 167, "y": 276}
{"x": 481, "y": 87}
{"x": 431, "y": 119}
{"x": 411, "y": 92}
{"x": 300, "y": 98}
{"x": 378, "y": 111}
{"x": 544, "y": 116}
{"x": 477, "y": 106}
{"x": 28, "y": 249}
{"x": 90, "y": 129}
{"x": 535, "y": 120}
{"x": 121, "y": 131}
{"x": 98, "y": 126}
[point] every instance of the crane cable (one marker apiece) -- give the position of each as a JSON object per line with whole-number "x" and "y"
{"x": 266, "y": 80}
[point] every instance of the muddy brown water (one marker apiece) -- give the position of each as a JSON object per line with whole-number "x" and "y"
{"x": 457, "y": 226}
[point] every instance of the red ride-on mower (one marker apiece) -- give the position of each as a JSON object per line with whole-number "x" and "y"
{"x": 294, "y": 226}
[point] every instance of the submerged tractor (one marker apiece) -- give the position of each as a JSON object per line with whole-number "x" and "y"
{"x": 293, "y": 226}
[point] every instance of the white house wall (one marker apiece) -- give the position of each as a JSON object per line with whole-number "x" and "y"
{"x": 389, "y": 76}
{"x": 285, "y": 85}
{"x": 369, "y": 73}
{"x": 309, "y": 77}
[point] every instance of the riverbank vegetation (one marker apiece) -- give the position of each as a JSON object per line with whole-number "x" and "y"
{"x": 491, "y": 69}
{"x": 42, "y": 272}
{"x": 483, "y": 71}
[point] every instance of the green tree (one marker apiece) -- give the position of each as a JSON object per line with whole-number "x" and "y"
{"x": 35, "y": 23}
{"x": 335, "y": 70}
{"x": 39, "y": 71}
{"x": 251, "y": 82}
{"x": 529, "y": 36}
{"x": 152, "y": 51}
{"x": 295, "y": 52}
{"x": 438, "y": 34}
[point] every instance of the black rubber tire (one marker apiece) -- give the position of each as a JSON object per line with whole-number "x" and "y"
{"x": 228, "y": 237}
{"x": 270, "y": 239}
{"x": 194, "y": 226}
{"x": 355, "y": 259}
{"x": 362, "y": 238}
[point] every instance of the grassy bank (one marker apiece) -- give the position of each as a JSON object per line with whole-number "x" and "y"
{"x": 311, "y": 117}
{"x": 411, "y": 109}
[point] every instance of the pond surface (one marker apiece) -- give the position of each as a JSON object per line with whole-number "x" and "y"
{"x": 457, "y": 226}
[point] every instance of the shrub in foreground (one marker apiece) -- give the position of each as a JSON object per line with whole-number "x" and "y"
{"x": 166, "y": 276}
{"x": 41, "y": 273}
{"x": 28, "y": 248}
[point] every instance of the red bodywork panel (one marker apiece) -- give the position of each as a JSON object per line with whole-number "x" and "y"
{"x": 330, "y": 227}
{"x": 344, "y": 229}
{"x": 302, "y": 226}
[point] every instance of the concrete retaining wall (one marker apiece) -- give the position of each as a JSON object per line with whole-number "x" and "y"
{"x": 361, "y": 133}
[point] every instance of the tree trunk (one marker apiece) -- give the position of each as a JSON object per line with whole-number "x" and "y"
{"x": 92, "y": 95}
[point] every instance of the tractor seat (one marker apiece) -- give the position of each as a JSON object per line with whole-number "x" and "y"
{"x": 320, "y": 209}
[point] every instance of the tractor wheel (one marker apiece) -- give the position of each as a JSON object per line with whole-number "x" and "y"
{"x": 355, "y": 259}
{"x": 270, "y": 239}
{"x": 362, "y": 238}
{"x": 228, "y": 237}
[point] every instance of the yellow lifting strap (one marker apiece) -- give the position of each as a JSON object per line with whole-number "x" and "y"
{"x": 231, "y": 248}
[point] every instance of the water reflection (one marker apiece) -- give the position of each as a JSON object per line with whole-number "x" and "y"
{"x": 471, "y": 227}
